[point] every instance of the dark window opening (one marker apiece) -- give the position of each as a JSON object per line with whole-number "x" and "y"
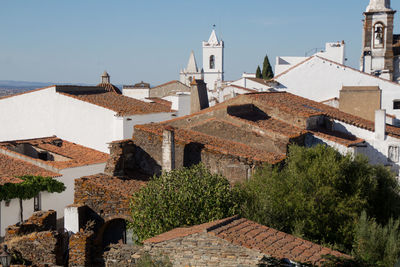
{"x": 43, "y": 156}
{"x": 396, "y": 104}
{"x": 212, "y": 62}
{"x": 36, "y": 203}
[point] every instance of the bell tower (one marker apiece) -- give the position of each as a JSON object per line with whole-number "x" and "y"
{"x": 213, "y": 60}
{"x": 377, "y": 42}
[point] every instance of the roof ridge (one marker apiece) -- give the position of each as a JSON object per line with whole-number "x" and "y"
{"x": 223, "y": 223}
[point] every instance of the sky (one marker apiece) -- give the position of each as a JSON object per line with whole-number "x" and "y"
{"x": 74, "y": 41}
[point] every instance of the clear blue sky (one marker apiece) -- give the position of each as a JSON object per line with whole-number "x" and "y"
{"x": 76, "y": 40}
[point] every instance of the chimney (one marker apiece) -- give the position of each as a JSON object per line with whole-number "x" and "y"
{"x": 168, "y": 149}
{"x": 380, "y": 124}
{"x": 198, "y": 96}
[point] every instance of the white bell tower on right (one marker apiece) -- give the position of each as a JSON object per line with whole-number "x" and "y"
{"x": 213, "y": 61}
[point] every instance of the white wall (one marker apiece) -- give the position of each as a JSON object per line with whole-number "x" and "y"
{"x": 58, "y": 201}
{"x": 84, "y": 123}
{"x": 27, "y": 115}
{"x": 10, "y": 215}
{"x": 319, "y": 80}
{"x": 180, "y": 102}
{"x": 130, "y": 121}
{"x": 284, "y": 63}
{"x": 250, "y": 84}
{"x": 136, "y": 93}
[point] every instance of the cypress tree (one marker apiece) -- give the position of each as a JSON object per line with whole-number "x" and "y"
{"x": 267, "y": 72}
{"x": 258, "y": 73}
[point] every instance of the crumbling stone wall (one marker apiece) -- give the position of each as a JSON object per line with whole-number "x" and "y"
{"x": 38, "y": 222}
{"x": 104, "y": 201}
{"x": 122, "y": 255}
{"x": 81, "y": 248}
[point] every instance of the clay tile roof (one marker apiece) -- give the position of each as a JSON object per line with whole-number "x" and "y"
{"x": 12, "y": 167}
{"x": 10, "y": 180}
{"x": 122, "y": 105}
{"x": 251, "y": 235}
{"x": 66, "y": 154}
{"x": 338, "y": 137}
{"x": 217, "y": 145}
{"x": 161, "y": 101}
{"x": 297, "y": 105}
{"x": 110, "y": 88}
{"x": 168, "y": 83}
{"x": 117, "y": 186}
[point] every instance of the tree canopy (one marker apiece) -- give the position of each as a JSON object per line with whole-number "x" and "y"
{"x": 267, "y": 72}
{"x": 183, "y": 197}
{"x": 258, "y": 73}
{"x": 319, "y": 194}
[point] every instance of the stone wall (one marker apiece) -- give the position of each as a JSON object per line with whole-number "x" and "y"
{"x": 81, "y": 248}
{"x": 38, "y": 222}
{"x": 122, "y": 255}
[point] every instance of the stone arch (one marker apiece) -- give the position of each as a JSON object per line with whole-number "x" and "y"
{"x": 112, "y": 231}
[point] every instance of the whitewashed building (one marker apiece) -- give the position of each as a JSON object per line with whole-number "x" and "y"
{"x": 48, "y": 157}
{"x": 89, "y": 116}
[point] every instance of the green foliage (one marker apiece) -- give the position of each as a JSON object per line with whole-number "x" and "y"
{"x": 375, "y": 244}
{"x": 184, "y": 197}
{"x": 319, "y": 195}
{"x": 267, "y": 72}
{"x": 30, "y": 187}
{"x": 258, "y": 73}
{"x": 148, "y": 261}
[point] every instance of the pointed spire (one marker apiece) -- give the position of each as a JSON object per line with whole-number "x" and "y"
{"x": 192, "y": 65}
{"x": 378, "y": 5}
{"x": 213, "y": 38}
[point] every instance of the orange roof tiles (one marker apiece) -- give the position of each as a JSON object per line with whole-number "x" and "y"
{"x": 73, "y": 155}
{"x": 10, "y": 180}
{"x": 122, "y": 105}
{"x": 12, "y": 167}
{"x": 110, "y": 88}
{"x": 216, "y": 144}
{"x": 168, "y": 83}
{"x": 254, "y": 236}
{"x": 338, "y": 137}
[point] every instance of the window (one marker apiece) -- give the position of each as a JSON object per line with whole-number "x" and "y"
{"x": 212, "y": 62}
{"x": 379, "y": 35}
{"x": 393, "y": 153}
{"x": 36, "y": 203}
{"x": 396, "y": 104}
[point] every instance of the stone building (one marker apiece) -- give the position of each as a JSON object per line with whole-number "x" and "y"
{"x": 242, "y": 133}
{"x": 232, "y": 241}
{"x": 48, "y": 157}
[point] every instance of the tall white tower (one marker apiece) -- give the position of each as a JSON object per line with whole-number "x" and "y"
{"x": 377, "y": 47}
{"x": 213, "y": 61}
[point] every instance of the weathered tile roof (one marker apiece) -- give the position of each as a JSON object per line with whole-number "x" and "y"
{"x": 216, "y": 144}
{"x": 168, "y": 83}
{"x": 118, "y": 186}
{"x": 110, "y": 88}
{"x": 297, "y": 105}
{"x": 122, "y": 105}
{"x": 254, "y": 236}
{"x": 338, "y": 137}
{"x": 161, "y": 101}
{"x": 10, "y": 180}
{"x": 12, "y": 167}
{"x": 74, "y": 155}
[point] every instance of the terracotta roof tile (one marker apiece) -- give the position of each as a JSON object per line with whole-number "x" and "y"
{"x": 161, "y": 101}
{"x": 168, "y": 83}
{"x": 246, "y": 233}
{"x": 110, "y": 88}
{"x": 12, "y": 167}
{"x": 10, "y": 180}
{"x": 217, "y": 144}
{"x": 119, "y": 186}
{"x": 122, "y": 105}
{"x": 338, "y": 137}
{"x": 72, "y": 155}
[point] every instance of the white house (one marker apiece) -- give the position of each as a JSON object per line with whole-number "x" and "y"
{"x": 322, "y": 79}
{"x": 89, "y": 116}
{"x": 49, "y": 157}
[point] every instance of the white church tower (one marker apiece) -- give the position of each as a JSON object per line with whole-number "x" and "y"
{"x": 377, "y": 48}
{"x": 213, "y": 61}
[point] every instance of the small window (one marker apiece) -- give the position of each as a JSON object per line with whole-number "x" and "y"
{"x": 393, "y": 153}
{"x": 396, "y": 104}
{"x": 212, "y": 62}
{"x": 36, "y": 203}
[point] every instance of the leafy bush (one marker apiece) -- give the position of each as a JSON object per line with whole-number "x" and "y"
{"x": 183, "y": 197}
{"x": 319, "y": 194}
{"x": 375, "y": 244}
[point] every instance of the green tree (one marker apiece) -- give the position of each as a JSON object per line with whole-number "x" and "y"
{"x": 319, "y": 194}
{"x": 184, "y": 197}
{"x": 375, "y": 244}
{"x": 267, "y": 72}
{"x": 29, "y": 188}
{"x": 258, "y": 73}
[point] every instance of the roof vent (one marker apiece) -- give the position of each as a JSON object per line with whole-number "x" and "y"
{"x": 57, "y": 142}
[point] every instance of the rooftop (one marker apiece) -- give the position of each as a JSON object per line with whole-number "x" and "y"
{"x": 251, "y": 235}
{"x": 122, "y": 105}
{"x": 52, "y": 153}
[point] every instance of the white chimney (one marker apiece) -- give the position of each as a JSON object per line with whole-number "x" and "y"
{"x": 380, "y": 124}
{"x": 168, "y": 149}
